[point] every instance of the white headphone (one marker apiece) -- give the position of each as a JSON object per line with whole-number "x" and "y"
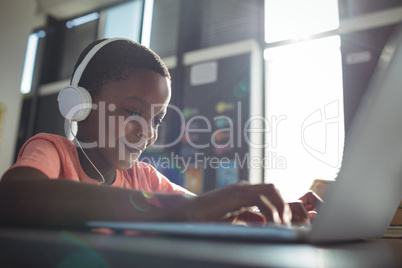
{"x": 75, "y": 102}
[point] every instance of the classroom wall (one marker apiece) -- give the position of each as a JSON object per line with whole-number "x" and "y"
{"x": 16, "y": 23}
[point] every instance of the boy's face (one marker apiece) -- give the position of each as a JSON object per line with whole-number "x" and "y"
{"x": 126, "y": 120}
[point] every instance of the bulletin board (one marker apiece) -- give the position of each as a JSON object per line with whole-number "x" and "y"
{"x": 222, "y": 91}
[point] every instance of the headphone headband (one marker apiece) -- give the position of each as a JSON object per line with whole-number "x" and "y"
{"x": 81, "y": 68}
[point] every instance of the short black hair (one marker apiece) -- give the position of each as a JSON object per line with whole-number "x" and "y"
{"x": 115, "y": 61}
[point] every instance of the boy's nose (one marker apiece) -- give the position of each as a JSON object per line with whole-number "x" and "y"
{"x": 146, "y": 133}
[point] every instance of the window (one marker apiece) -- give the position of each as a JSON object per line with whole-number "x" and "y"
{"x": 304, "y": 95}
{"x": 29, "y": 64}
{"x": 82, "y": 20}
{"x": 294, "y": 19}
{"x": 124, "y": 21}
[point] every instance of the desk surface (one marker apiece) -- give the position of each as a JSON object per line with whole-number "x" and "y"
{"x": 45, "y": 248}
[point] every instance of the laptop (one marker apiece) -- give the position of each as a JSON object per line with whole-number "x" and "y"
{"x": 368, "y": 189}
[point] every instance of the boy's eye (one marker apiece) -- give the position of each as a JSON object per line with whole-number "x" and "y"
{"x": 133, "y": 113}
{"x": 157, "y": 122}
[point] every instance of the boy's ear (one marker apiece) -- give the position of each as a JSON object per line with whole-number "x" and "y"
{"x": 75, "y": 103}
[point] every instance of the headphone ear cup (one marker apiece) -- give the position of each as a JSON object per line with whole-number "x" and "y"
{"x": 75, "y": 103}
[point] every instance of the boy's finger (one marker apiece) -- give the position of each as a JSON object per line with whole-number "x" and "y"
{"x": 272, "y": 194}
{"x": 299, "y": 213}
{"x": 269, "y": 211}
{"x": 249, "y": 217}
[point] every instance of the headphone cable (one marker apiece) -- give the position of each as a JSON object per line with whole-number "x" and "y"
{"x": 79, "y": 144}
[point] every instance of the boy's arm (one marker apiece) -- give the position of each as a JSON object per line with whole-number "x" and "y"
{"x": 61, "y": 203}
{"x": 21, "y": 173}
{"x": 42, "y": 202}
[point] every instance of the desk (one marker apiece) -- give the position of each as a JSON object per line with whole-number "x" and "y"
{"x": 50, "y": 248}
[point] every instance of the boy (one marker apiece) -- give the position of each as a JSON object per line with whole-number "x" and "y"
{"x": 129, "y": 86}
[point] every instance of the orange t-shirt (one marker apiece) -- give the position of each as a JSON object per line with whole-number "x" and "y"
{"x": 57, "y": 157}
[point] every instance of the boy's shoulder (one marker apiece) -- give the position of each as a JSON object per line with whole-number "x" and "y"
{"x": 47, "y": 139}
{"x": 50, "y": 137}
{"x": 47, "y": 144}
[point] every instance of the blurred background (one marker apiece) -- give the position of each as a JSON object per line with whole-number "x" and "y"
{"x": 272, "y": 84}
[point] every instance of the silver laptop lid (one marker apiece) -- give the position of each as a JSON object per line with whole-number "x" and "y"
{"x": 368, "y": 189}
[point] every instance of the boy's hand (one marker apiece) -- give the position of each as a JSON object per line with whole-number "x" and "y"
{"x": 233, "y": 200}
{"x": 240, "y": 203}
{"x": 311, "y": 202}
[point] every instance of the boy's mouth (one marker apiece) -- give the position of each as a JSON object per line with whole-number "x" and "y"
{"x": 133, "y": 150}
